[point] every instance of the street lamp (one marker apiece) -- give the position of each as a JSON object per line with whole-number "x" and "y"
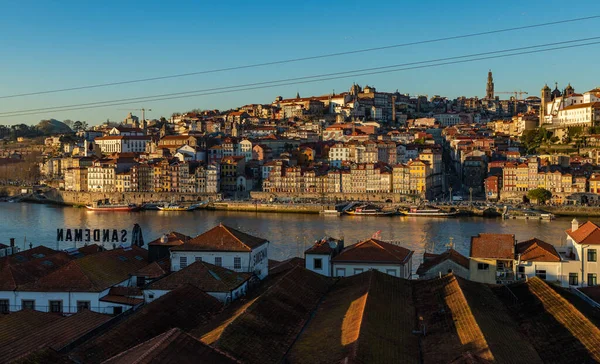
{"x": 471, "y": 196}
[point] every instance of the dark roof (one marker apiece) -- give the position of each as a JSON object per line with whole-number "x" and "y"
{"x": 207, "y": 277}
{"x": 173, "y": 238}
{"x": 372, "y": 250}
{"x": 172, "y": 345}
{"x": 42, "y": 356}
{"x": 279, "y": 267}
{"x": 356, "y": 317}
{"x": 493, "y": 246}
{"x": 21, "y": 323}
{"x": 35, "y": 263}
{"x": 537, "y": 250}
{"x": 55, "y": 335}
{"x": 431, "y": 260}
{"x": 262, "y": 329}
{"x": 222, "y": 238}
{"x": 186, "y": 308}
{"x": 92, "y": 273}
{"x": 587, "y": 233}
{"x": 559, "y": 332}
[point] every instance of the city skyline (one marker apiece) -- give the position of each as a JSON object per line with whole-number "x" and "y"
{"x": 48, "y": 56}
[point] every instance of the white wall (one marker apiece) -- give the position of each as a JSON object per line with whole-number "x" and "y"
{"x": 399, "y": 270}
{"x": 326, "y": 263}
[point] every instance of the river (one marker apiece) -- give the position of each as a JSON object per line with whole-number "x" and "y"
{"x": 289, "y": 234}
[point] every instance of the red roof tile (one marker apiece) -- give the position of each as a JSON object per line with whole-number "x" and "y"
{"x": 21, "y": 323}
{"x": 587, "y": 233}
{"x": 431, "y": 260}
{"x": 173, "y": 238}
{"x": 222, "y": 238}
{"x": 372, "y": 250}
{"x": 207, "y": 277}
{"x": 172, "y": 344}
{"x": 493, "y": 246}
{"x": 537, "y": 250}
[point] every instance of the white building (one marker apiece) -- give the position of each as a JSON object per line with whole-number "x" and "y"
{"x": 536, "y": 258}
{"x": 580, "y": 255}
{"x": 225, "y": 247}
{"x": 338, "y": 154}
{"x": 122, "y": 144}
{"x": 447, "y": 119}
{"x": 245, "y": 149}
{"x": 449, "y": 261}
{"x": 223, "y": 284}
{"x": 330, "y": 258}
{"x": 102, "y": 176}
{"x": 91, "y": 282}
{"x": 207, "y": 179}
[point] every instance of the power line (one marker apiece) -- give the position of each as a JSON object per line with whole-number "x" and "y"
{"x": 463, "y": 36}
{"x": 305, "y": 79}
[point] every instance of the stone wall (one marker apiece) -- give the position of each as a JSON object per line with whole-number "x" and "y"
{"x": 84, "y": 198}
{"x": 374, "y": 197}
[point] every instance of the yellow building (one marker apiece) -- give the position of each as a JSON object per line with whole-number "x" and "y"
{"x": 419, "y": 170}
{"x": 491, "y": 259}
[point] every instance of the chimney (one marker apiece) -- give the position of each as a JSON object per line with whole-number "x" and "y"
{"x": 574, "y": 225}
{"x": 12, "y": 242}
{"x": 164, "y": 239}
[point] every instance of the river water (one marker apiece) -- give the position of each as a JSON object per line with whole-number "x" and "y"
{"x": 289, "y": 234}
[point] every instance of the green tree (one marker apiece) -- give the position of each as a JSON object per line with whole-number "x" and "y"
{"x": 541, "y": 195}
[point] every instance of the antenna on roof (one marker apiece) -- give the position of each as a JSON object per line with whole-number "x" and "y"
{"x": 450, "y": 244}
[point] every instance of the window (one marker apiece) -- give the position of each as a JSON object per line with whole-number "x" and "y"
{"x": 4, "y": 306}
{"x": 592, "y": 279}
{"x": 141, "y": 281}
{"x": 541, "y": 273}
{"x": 117, "y": 310}
{"x": 237, "y": 263}
{"x": 28, "y": 304}
{"x": 573, "y": 279}
{"x": 592, "y": 255}
{"x": 55, "y": 306}
{"x": 182, "y": 262}
{"x": 83, "y": 305}
{"x": 218, "y": 261}
{"x": 391, "y": 272}
{"x": 483, "y": 266}
{"x": 358, "y": 270}
{"x": 318, "y": 263}
{"x": 197, "y": 259}
{"x": 340, "y": 272}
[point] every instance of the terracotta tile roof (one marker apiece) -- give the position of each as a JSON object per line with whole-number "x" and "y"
{"x": 27, "y": 255}
{"x": 21, "y": 323}
{"x": 222, "y": 238}
{"x": 279, "y": 267}
{"x": 55, "y": 335}
{"x": 587, "y": 233}
{"x": 46, "y": 355}
{"x": 169, "y": 345}
{"x": 263, "y": 329}
{"x": 537, "y": 250}
{"x": 207, "y": 277}
{"x": 450, "y": 325}
{"x": 93, "y": 273}
{"x": 124, "y": 300}
{"x": 372, "y": 250}
{"x": 173, "y": 238}
{"x": 558, "y": 331}
{"x": 185, "y": 308}
{"x": 18, "y": 272}
{"x": 431, "y": 260}
{"x": 363, "y": 319}
{"x": 493, "y": 246}
{"x": 154, "y": 270}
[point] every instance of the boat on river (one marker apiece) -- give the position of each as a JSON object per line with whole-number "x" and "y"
{"x": 176, "y": 207}
{"x": 370, "y": 210}
{"x": 428, "y": 211}
{"x": 112, "y": 207}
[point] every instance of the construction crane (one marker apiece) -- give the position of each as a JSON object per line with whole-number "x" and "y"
{"x": 143, "y": 113}
{"x": 518, "y": 94}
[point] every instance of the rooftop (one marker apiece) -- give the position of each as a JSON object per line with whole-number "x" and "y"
{"x": 499, "y": 246}
{"x": 207, "y": 277}
{"x": 537, "y": 250}
{"x": 431, "y": 260}
{"x": 372, "y": 250}
{"x": 222, "y": 238}
{"x": 587, "y": 233}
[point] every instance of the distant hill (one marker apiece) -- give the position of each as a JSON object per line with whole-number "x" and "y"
{"x": 53, "y": 126}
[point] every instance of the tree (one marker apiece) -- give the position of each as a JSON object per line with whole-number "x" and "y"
{"x": 69, "y": 123}
{"x": 541, "y": 195}
{"x": 77, "y": 126}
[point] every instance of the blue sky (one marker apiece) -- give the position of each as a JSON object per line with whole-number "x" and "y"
{"x": 58, "y": 44}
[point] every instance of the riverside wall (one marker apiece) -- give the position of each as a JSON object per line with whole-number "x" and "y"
{"x": 84, "y": 198}
{"x": 373, "y": 197}
{"x": 295, "y": 208}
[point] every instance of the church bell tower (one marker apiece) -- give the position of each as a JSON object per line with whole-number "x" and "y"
{"x": 489, "y": 90}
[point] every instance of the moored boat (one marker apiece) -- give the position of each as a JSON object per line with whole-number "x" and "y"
{"x": 428, "y": 211}
{"x": 370, "y": 210}
{"x": 175, "y": 207}
{"x": 108, "y": 206}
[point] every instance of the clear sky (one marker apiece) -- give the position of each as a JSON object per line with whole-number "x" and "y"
{"x": 57, "y": 44}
